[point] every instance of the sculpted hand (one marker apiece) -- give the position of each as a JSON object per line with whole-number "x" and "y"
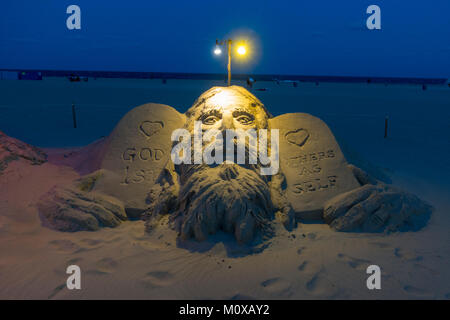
{"x": 375, "y": 207}
{"x": 75, "y": 208}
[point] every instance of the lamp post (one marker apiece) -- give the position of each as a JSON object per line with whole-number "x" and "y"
{"x": 241, "y": 50}
{"x": 229, "y": 62}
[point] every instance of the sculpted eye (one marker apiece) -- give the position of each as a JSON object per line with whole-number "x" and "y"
{"x": 245, "y": 119}
{"x": 210, "y": 120}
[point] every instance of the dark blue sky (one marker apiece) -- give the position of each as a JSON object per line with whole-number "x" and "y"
{"x": 288, "y": 37}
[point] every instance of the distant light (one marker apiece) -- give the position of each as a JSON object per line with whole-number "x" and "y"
{"x": 241, "y": 50}
{"x": 217, "y": 51}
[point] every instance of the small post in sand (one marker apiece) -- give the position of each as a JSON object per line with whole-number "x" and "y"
{"x": 386, "y": 126}
{"x": 74, "y": 116}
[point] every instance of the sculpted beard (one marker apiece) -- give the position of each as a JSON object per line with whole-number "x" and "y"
{"x": 230, "y": 197}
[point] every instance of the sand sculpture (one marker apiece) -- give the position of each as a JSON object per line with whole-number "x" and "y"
{"x": 136, "y": 178}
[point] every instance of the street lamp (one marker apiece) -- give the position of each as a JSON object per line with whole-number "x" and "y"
{"x": 241, "y": 50}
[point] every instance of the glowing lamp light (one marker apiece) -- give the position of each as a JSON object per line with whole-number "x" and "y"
{"x": 217, "y": 51}
{"x": 241, "y": 50}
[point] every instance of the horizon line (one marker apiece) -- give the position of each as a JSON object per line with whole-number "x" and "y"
{"x": 220, "y": 76}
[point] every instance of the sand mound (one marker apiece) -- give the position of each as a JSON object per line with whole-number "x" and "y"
{"x": 12, "y": 149}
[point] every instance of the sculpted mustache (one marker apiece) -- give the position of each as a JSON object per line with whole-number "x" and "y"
{"x": 187, "y": 170}
{"x": 236, "y": 144}
{"x": 195, "y": 167}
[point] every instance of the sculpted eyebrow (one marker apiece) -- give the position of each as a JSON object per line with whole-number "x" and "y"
{"x": 241, "y": 112}
{"x": 212, "y": 112}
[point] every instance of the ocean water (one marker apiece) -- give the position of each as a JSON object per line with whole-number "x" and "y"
{"x": 40, "y": 113}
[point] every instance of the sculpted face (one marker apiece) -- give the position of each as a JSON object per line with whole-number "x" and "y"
{"x": 228, "y": 196}
{"x": 224, "y": 108}
{"x": 231, "y": 112}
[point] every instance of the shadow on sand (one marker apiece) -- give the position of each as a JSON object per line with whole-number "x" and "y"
{"x": 224, "y": 242}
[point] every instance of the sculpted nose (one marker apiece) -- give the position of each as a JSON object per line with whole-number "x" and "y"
{"x": 227, "y": 121}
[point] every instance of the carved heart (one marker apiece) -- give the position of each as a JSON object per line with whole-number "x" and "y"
{"x": 149, "y": 128}
{"x": 297, "y": 137}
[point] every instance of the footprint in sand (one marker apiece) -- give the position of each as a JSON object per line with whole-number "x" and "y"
{"x": 57, "y": 290}
{"x": 91, "y": 242}
{"x": 113, "y": 239}
{"x": 320, "y": 285}
{"x": 157, "y": 279}
{"x": 104, "y": 266}
{"x": 427, "y": 269}
{"x": 407, "y": 255}
{"x": 302, "y": 266}
{"x": 355, "y": 263}
{"x": 65, "y": 246}
{"x": 380, "y": 245}
{"x": 277, "y": 286}
{"x": 74, "y": 260}
{"x": 311, "y": 236}
{"x": 416, "y": 291}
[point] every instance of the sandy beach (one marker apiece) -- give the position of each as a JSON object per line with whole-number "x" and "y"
{"x": 311, "y": 262}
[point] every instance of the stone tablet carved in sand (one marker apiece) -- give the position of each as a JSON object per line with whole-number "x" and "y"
{"x": 136, "y": 152}
{"x": 312, "y": 162}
